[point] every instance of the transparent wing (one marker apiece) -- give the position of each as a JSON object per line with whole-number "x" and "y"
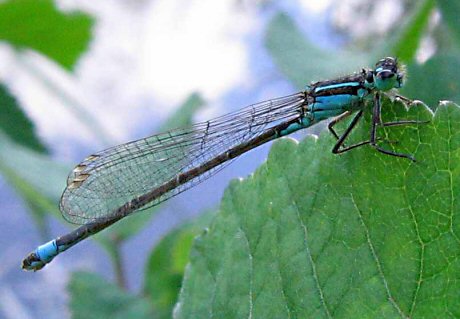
{"x": 107, "y": 180}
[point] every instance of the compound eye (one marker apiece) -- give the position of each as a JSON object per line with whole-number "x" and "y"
{"x": 387, "y": 63}
{"x": 386, "y": 74}
{"x": 369, "y": 77}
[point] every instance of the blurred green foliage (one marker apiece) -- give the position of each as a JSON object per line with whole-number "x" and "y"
{"x": 38, "y": 25}
{"x": 94, "y": 297}
{"x": 16, "y": 124}
{"x": 446, "y": 85}
{"x": 289, "y": 48}
{"x": 166, "y": 265}
{"x": 450, "y": 10}
{"x": 310, "y": 234}
{"x": 36, "y": 177}
{"x": 408, "y": 39}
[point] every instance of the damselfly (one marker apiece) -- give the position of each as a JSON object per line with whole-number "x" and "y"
{"x": 114, "y": 183}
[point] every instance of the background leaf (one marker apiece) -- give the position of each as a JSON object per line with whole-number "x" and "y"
{"x": 411, "y": 35}
{"x": 94, "y": 297}
{"x": 450, "y": 10}
{"x": 184, "y": 115}
{"x": 361, "y": 235}
{"x": 38, "y": 25}
{"x": 166, "y": 265}
{"x": 16, "y": 124}
{"x": 437, "y": 79}
{"x": 288, "y": 47}
{"x": 35, "y": 177}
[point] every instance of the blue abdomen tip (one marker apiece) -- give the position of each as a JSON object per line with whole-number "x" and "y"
{"x": 48, "y": 251}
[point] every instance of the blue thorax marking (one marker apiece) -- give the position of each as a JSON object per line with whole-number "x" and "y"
{"x": 335, "y": 86}
{"x": 335, "y": 101}
{"x": 329, "y": 104}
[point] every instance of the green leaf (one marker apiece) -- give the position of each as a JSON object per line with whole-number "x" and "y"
{"x": 131, "y": 225}
{"x": 300, "y": 60}
{"x": 435, "y": 80}
{"x": 166, "y": 265}
{"x": 15, "y": 123}
{"x": 38, "y": 25}
{"x": 411, "y": 35}
{"x": 361, "y": 235}
{"x": 94, "y": 297}
{"x": 450, "y": 10}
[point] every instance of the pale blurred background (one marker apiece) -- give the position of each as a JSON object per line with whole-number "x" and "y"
{"x": 144, "y": 60}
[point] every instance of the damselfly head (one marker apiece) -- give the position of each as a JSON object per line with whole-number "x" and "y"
{"x": 388, "y": 74}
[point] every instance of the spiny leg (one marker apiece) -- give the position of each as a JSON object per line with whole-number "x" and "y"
{"x": 336, "y": 120}
{"x": 338, "y": 147}
{"x": 404, "y": 99}
{"x": 376, "y": 120}
{"x": 405, "y": 122}
{"x": 409, "y": 102}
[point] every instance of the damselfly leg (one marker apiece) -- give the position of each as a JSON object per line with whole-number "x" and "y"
{"x": 336, "y": 120}
{"x": 376, "y": 121}
{"x": 340, "y": 147}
